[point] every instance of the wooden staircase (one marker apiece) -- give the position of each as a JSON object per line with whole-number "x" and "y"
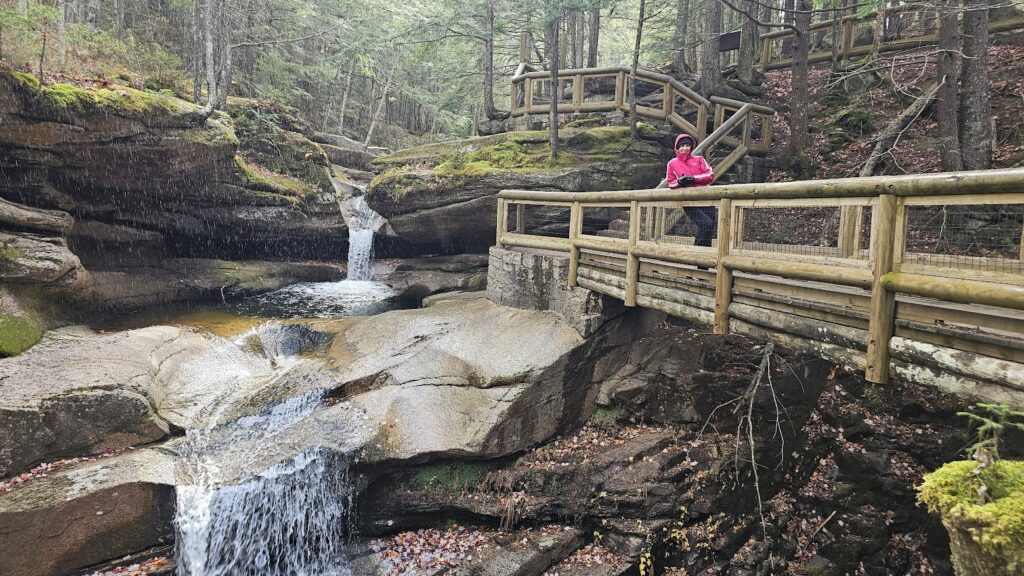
{"x": 728, "y": 131}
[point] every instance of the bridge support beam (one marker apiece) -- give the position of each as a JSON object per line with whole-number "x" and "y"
{"x": 883, "y": 302}
{"x": 632, "y": 260}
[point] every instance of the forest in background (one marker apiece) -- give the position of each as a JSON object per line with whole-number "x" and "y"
{"x": 441, "y": 68}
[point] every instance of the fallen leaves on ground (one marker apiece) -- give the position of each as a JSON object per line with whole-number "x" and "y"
{"x": 45, "y": 469}
{"x": 150, "y": 566}
{"x": 587, "y": 557}
{"x": 429, "y": 550}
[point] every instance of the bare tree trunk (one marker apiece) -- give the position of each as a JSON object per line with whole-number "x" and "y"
{"x": 787, "y": 18}
{"x": 42, "y": 60}
{"x": 570, "y": 38}
{"x": 799, "y": 99}
{"x": 197, "y": 52}
{"x": 489, "y": 109}
{"x": 633, "y": 118}
{"x": 62, "y": 44}
{"x": 710, "y": 80}
{"x": 344, "y": 98}
{"x": 380, "y": 106}
{"x": 551, "y": 46}
{"x": 948, "y": 76}
{"x": 23, "y": 8}
{"x": 92, "y": 13}
{"x": 975, "y": 106}
{"x": 211, "y": 65}
{"x": 594, "y": 32}
{"x": 581, "y": 34}
{"x": 682, "y": 38}
{"x": 225, "y": 55}
{"x": 748, "y": 44}
{"x": 119, "y": 16}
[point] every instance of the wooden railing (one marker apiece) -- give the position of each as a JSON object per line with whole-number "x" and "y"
{"x": 743, "y": 126}
{"x": 905, "y": 26}
{"x": 873, "y": 301}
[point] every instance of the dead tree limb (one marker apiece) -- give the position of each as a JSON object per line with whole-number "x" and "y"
{"x": 889, "y": 137}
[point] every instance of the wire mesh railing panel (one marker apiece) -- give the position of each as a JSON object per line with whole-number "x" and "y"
{"x": 599, "y": 88}
{"x": 649, "y": 94}
{"x": 519, "y": 94}
{"x": 608, "y": 222}
{"x": 966, "y": 236}
{"x": 542, "y": 91}
{"x": 694, "y": 224}
{"x": 812, "y": 231}
{"x": 538, "y": 220}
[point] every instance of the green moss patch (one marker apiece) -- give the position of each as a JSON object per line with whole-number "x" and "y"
{"x": 17, "y": 335}
{"x": 282, "y": 186}
{"x": 449, "y": 478}
{"x": 998, "y": 526}
{"x": 66, "y": 99}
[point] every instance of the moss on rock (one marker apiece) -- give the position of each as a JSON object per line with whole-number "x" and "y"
{"x": 17, "y": 335}
{"x": 995, "y": 529}
{"x": 449, "y": 478}
{"x": 277, "y": 186}
{"x": 66, "y": 99}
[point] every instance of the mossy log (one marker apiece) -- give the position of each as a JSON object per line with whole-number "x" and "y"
{"x": 978, "y": 366}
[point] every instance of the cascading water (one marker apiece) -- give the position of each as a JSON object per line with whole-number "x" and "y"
{"x": 242, "y": 510}
{"x": 363, "y": 223}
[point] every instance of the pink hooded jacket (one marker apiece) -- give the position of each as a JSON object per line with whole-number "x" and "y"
{"x": 687, "y": 165}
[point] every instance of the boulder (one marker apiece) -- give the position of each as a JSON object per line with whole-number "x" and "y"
{"x": 416, "y": 279}
{"x": 433, "y": 385}
{"x": 87, "y": 514}
{"x": 34, "y": 259}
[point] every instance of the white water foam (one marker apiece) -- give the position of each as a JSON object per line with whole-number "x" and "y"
{"x": 362, "y": 225}
{"x": 241, "y": 508}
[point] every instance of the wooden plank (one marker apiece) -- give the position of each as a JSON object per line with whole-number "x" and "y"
{"x": 976, "y": 366}
{"x": 615, "y": 246}
{"x": 681, "y": 297}
{"x": 694, "y": 285}
{"x": 831, "y": 333}
{"x": 604, "y": 258}
{"x": 985, "y": 269}
{"x": 686, "y": 312}
{"x": 837, "y": 354}
{"x": 693, "y": 255}
{"x": 601, "y": 288}
{"x": 605, "y": 278}
{"x": 1002, "y": 197}
{"x": 967, "y": 340}
{"x": 956, "y": 290}
{"x": 520, "y": 219}
{"x": 883, "y": 300}
{"x": 723, "y": 276}
{"x": 823, "y": 202}
{"x": 842, "y": 296}
{"x": 541, "y": 242}
{"x": 925, "y": 311}
{"x": 632, "y": 260}
{"x": 843, "y": 275}
{"x": 797, "y": 307}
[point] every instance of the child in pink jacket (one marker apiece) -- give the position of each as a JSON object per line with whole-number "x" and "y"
{"x": 686, "y": 170}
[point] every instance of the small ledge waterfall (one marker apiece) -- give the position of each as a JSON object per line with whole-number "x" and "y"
{"x": 363, "y": 223}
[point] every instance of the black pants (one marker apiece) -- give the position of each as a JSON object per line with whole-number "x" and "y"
{"x": 704, "y": 218}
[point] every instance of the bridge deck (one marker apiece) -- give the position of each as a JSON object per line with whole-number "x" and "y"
{"x": 917, "y": 276}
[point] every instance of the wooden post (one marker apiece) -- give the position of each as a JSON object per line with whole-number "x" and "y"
{"x": 649, "y": 223}
{"x": 521, "y": 218}
{"x": 737, "y": 227}
{"x": 748, "y": 123}
{"x": 502, "y": 221}
{"x": 577, "y": 91}
{"x": 666, "y": 101}
{"x": 719, "y": 115}
{"x": 766, "y": 53}
{"x": 883, "y": 302}
{"x": 524, "y": 46}
{"x": 528, "y": 87}
{"x": 723, "y": 276}
{"x": 849, "y": 26}
{"x": 848, "y": 230}
{"x": 632, "y": 262}
{"x": 620, "y": 89}
{"x": 702, "y": 121}
{"x": 575, "y": 228}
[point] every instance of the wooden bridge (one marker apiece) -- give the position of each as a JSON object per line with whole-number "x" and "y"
{"x": 726, "y": 129}
{"x": 915, "y": 276}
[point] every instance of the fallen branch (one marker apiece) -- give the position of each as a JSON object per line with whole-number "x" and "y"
{"x": 887, "y": 139}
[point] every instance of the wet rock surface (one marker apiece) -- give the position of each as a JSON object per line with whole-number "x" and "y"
{"x": 415, "y": 279}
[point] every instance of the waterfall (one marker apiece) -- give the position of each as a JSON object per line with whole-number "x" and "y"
{"x": 362, "y": 224}
{"x": 244, "y": 505}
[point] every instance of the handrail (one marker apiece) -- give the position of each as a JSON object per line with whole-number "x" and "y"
{"x": 847, "y": 48}
{"x": 712, "y": 140}
{"x": 864, "y": 282}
